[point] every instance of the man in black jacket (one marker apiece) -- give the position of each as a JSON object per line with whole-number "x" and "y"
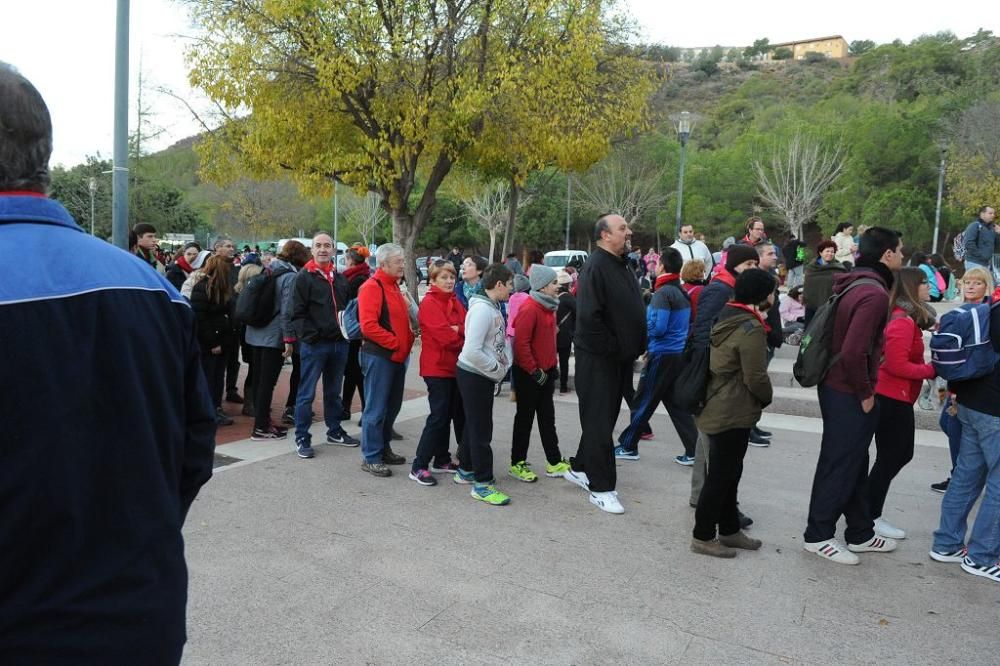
{"x": 319, "y": 293}
{"x": 610, "y": 335}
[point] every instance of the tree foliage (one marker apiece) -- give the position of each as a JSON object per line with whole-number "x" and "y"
{"x": 860, "y": 47}
{"x": 387, "y": 97}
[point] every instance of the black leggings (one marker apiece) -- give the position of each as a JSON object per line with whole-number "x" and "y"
{"x": 717, "y": 504}
{"x": 894, "y": 448}
{"x": 267, "y": 362}
{"x": 353, "y": 378}
{"x": 534, "y": 400}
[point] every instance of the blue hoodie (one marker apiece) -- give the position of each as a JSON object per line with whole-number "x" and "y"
{"x": 668, "y": 317}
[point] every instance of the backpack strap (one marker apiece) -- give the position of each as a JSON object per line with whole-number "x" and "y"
{"x": 836, "y": 298}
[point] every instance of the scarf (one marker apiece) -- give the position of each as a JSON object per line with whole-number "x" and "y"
{"x": 910, "y": 309}
{"x": 546, "y": 301}
{"x": 747, "y": 308}
{"x": 883, "y": 271}
{"x": 471, "y": 290}
{"x": 665, "y": 278}
{"x": 725, "y": 276}
{"x": 357, "y": 269}
{"x": 147, "y": 256}
{"x": 183, "y": 263}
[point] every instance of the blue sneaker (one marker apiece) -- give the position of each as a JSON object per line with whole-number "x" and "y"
{"x": 304, "y": 449}
{"x": 464, "y": 478}
{"x": 622, "y": 454}
{"x": 342, "y": 438}
{"x": 686, "y": 461}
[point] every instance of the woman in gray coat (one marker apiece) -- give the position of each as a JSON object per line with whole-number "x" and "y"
{"x": 273, "y": 343}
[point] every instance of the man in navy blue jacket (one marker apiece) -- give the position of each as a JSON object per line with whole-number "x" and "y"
{"x": 103, "y": 452}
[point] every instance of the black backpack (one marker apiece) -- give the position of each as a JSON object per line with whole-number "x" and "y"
{"x": 256, "y": 303}
{"x": 816, "y": 346}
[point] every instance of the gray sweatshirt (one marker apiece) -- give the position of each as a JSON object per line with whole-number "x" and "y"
{"x": 486, "y": 350}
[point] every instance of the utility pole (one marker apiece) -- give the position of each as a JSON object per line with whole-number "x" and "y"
{"x": 683, "y": 132}
{"x": 92, "y": 186}
{"x": 119, "y": 176}
{"x": 937, "y": 211}
{"x": 569, "y": 200}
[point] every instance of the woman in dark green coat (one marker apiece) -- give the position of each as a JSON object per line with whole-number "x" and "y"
{"x": 738, "y": 390}
{"x": 819, "y": 274}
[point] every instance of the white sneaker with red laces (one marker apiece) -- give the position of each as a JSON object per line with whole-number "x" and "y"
{"x": 876, "y": 544}
{"x": 832, "y": 550}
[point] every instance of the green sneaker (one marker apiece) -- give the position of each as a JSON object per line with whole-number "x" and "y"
{"x": 557, "y": 470}
{"x": 521, "y": 472}
{"x": 489, "y": 494}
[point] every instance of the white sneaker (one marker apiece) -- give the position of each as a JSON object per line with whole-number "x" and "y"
{"x": 886, "y": 529}
{"x": 832, "y": 550}
{"x": 607, "y": 502}
{"x": 876, "y": 544}
{"x": 579, "y": 478}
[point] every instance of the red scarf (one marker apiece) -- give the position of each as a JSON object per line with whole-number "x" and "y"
{"x": 665, "y": 278}
{"x": 22, "y": 193}
{"x": 362, "y": 268}
{"x": 747, "y": 308}
{"x": 326, "y": 271}
{"x": 183, "y": 263}
{"x": 725, "y": 276}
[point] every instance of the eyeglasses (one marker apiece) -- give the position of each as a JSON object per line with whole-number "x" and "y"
{"x": 924, "y": 282}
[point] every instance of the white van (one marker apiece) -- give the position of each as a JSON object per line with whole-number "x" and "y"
{"x": 560, "y": 258}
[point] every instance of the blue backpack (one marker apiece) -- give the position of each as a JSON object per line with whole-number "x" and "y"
{"x": 350, "y": 325}
{"x": 961, "y": 348}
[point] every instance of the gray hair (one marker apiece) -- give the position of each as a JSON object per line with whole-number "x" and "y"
{"x": 218, "y": 241}
{"x": 386, "y": 251}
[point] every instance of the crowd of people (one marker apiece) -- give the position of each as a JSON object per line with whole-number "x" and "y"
{"x": 112, "y": 454}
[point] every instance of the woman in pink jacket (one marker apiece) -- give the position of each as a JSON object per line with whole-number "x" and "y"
{"x": 902, "y": 372}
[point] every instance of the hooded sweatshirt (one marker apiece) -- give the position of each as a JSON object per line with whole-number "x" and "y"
{"x": 486, "y": 350}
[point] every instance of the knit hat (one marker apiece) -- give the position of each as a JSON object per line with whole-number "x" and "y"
{"x": 562, "y": 277}
{"x": 541, "y": 275}
{"x": 199, "y": 261}
{"x": 521, "y": 284}
{"x": 737, "y": 254}
{"x": 753, "y": 286}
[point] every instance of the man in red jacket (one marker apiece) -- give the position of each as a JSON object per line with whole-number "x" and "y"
{"x": 847, "y": 403}
{"x": 383, "y": 311}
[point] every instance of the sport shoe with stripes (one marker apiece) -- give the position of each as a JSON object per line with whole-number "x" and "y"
{"x": 949, "y": 556}
{"x": 992, "y": 572}
{"x": 876, "y": 544}
{"x": 832, "y": 550}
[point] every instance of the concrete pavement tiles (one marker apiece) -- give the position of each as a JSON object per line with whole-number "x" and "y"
{"x": 315, "y": 562}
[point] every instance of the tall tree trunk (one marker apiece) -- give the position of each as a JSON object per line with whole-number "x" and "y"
{"x": 405, "y": 229}
{"x": 493, "y": 243}
{"x": 508, "y": 235}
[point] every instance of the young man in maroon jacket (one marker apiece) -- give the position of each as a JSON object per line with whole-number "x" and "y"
{"x": 847, "y": 403}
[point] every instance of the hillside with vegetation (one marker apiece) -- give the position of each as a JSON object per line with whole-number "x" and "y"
{"x": 888, "y": 116}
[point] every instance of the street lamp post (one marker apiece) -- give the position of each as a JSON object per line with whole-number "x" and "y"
{"x": 937, "y": 211}
{"x": 569, "y": 200}
{"x": 683, "y": 132}
{"x": 92, "y": 186}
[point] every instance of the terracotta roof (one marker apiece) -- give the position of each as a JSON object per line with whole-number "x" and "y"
{"x": 805, "y": 41}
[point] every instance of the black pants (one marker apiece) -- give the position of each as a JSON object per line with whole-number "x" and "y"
{"x": 231, "y": 352}
{"x": 250, "y": 381}
{"x": 533, "y": 399}
{"x": 446, "y": 409}
{"x": 894, "y": 449}
{"x": 353, "y": 378}
{"x": 840, "y": 486}
{"x": 654, "y": 387}
{"x": 214, "y": 366}
{"x": 477, "y": 400}
{"x": 601, "y": 383}
{"x": 717, "y": 504}
{"x": 266, "y": 362}
{"x": 564, "y": 353}
{"x": 293, "y": 381}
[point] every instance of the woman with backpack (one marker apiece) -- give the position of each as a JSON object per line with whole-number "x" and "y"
{"x": 900, "y": 376}
{"x": 210, "y": 303}
{"x": 935, "y": 281}
{"x": 271, "y": 344}
{"x": 357, "y": 272}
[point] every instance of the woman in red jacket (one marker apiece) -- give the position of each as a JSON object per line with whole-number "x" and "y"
{"x": 900, "y": 376}
{"x": 442, "y": 333}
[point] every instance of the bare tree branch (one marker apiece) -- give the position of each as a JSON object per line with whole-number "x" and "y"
{"x": 490, "y": 208}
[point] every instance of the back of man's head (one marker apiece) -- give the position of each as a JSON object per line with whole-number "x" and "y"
{"x": 671, "y": 260}
{"x": 495, "y": 273}
{"x": 25, "y": 134}
{"x": 874, "y": 242}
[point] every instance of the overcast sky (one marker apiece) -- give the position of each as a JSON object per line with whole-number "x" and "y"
{"x": 66, "y": 48}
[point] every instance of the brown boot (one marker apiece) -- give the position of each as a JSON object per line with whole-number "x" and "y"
{"x": 740, "y": 540}
{"x": 713, "y": 548}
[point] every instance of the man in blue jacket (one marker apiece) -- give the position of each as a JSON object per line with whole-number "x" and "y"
{"x": 667, "y": 319}
{"x": 982, "y": 239}
{"x": 103, "y": 452}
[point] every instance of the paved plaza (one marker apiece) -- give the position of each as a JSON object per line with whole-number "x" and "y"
{"x": 315, "y": 562}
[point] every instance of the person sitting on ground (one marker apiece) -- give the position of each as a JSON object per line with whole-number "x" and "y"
{"x": 846, "y": 247}
{"x": 817, "y": 286}
{"x": 178, "y": 271}
{"x": 484, "y": 360}
{"x": 535, "y": 373}
{"x": 793, "y": 311}
{"x": 738, "y": 391}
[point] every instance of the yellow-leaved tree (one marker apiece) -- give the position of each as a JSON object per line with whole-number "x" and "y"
{"x": 388, "y": 96}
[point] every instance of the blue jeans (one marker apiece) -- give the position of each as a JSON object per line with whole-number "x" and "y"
{"x": 384, "y": 380}
{"x": 978, "y": 467}
{"x": 326, "y": 358}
